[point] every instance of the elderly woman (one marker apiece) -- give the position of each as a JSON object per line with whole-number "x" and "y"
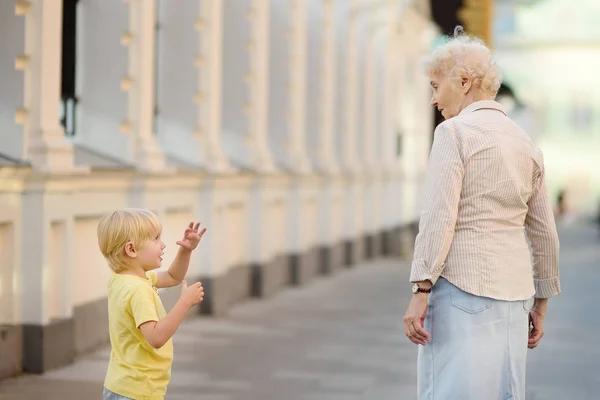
{"x": 478, "y": 302}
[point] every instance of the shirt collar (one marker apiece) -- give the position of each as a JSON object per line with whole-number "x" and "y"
{"x": 481, "y": 105}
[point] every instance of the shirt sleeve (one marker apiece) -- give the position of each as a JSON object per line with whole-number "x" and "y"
{"x": 443, "y": 185}
{"x": 143, "y": 308}
{"x": 152, "y": 276}
{"x": 543, "y": 237}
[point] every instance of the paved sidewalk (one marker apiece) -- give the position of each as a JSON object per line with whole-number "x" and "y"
{"x": 340, "y": 338}
{"x": 336, "y": 338}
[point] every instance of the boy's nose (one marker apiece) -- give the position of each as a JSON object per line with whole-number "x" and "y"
{"x": 433, "y": 101}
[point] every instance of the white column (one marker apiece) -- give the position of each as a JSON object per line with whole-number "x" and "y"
{"x": 297, "y": 159}
{"x": 46, "y": 274}
{"x": 10, "y": 246}
{"x": 44, "y": 142}
{"x": 328, "y": 78}
{"x": 350, "y": 161}
{"x": 369, "y": 125}
{"x": 12, "y": 71}
{"x": 405, "y": 110}
{"x": 410, "y": 119}
{"x": 210, "y": 64}
{"x": 424, "y": 112}
{"x": 33, "y": 263}
{"x": 140, "y": 84}
{"x": 390, "y": 97}
{"x": 258, "y": 84}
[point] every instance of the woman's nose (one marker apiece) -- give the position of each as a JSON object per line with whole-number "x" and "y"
{"x": 433, "y": 101}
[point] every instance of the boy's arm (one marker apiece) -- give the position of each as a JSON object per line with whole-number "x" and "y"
{"x": 179, "y": 267}
{"x": 158, "y": 332}
{"x": 176, "y": 272}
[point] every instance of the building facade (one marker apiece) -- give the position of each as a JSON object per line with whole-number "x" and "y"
{"x": 296, "y": 131}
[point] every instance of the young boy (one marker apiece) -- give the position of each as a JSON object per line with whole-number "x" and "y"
{"x": 140, "y": 329}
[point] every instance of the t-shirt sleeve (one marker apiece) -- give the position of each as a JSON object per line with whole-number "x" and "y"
{"x": 142, "y": 305}
{"x": 153, "y": 276}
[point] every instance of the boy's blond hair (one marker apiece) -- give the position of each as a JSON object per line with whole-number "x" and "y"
{"x": 119, "y": 227}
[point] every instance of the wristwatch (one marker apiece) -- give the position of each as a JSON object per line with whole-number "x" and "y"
{"x": 416, "y": 289}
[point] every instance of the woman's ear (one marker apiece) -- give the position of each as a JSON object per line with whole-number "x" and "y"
{"x": 130, "y": 250}
{"x": 466, "y": 85}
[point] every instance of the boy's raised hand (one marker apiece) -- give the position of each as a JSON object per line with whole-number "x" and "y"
{"x": 191, "y": 236}
{"x": 192, "y": 295}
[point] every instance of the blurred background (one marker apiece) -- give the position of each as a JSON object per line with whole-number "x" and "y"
{"x": 298, "y": 133}
{"x": 545, "y": 50}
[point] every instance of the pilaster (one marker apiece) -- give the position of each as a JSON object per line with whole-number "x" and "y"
{"x": 139, "y": 83}
{"x": 44, "y": 143}
{"x": 389, "y": 100}
{"x": 351, "y": 103}
{"x": 328, "y": 79}
{"x": 257, "y": 81}
{"x": 209, "y": 63}
{"x": 369, "y": 133}
{"x": 297, "y": 160}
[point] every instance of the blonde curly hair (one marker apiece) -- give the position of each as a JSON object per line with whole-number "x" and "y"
{"x": 464, "y": 56}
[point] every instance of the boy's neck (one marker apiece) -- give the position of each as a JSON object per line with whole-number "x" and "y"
{"x": 134, "y": 270}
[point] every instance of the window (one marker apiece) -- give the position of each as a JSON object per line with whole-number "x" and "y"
{"x": 69, "y": 61}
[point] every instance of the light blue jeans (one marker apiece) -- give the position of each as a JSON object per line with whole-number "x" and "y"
{"x": 478, "y": 347}
{"x": 108, "y": 395}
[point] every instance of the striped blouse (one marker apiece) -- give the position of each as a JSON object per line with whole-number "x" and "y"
{"x": 487, "y": 225}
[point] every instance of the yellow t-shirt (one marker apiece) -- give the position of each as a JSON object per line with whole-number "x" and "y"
{"x": 136, "y": 369}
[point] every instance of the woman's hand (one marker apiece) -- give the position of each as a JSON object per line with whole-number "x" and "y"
{"x": 536, "y": 319}
{"x": 414, "y": 318}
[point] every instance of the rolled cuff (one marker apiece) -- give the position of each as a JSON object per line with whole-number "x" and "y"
{"x": 419, "y": 271}
{"x": 545, "y": 288}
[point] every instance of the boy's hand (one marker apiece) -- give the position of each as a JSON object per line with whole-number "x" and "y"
{"x": 191, "y": 236}
{"x": 192, "y": 295}
{"x": 157, "y": 333}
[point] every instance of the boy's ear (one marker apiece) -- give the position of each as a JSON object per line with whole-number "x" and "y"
{"x": 130, "y": 250}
